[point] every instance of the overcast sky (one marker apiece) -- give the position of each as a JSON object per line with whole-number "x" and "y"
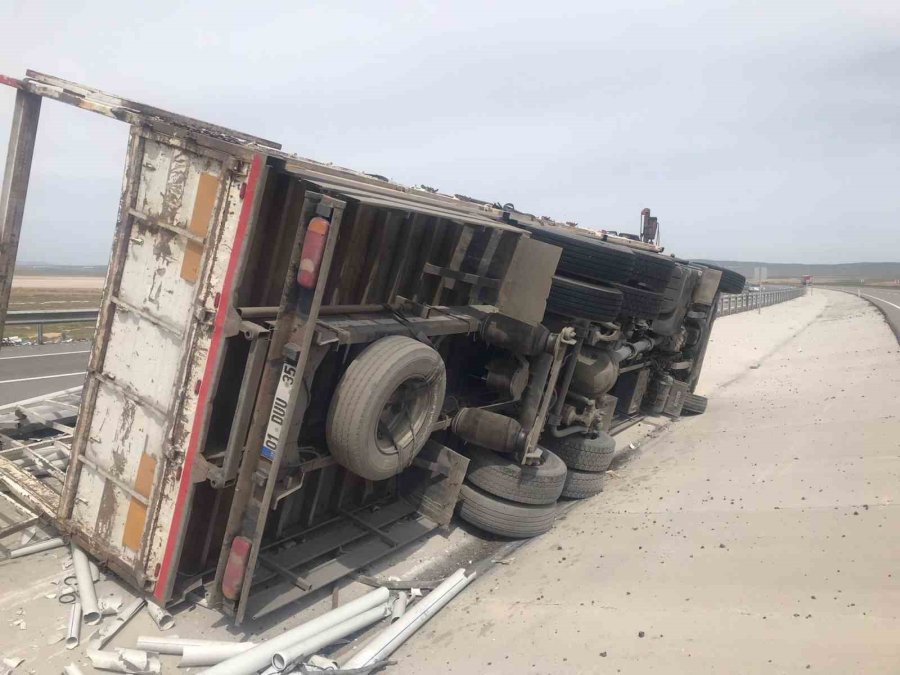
{"x": 765, "y": 130}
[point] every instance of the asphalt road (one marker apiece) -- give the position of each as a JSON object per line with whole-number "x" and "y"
{"x": 886, "y": 299}
{"x": 36, "y": 370}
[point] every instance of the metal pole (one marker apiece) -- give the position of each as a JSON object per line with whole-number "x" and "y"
{"x": 19, "y": 154}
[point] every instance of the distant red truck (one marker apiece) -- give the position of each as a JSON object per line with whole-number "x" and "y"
{"x": 806, "y": 279}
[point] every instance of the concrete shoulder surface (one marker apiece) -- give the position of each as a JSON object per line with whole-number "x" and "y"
{"x": 760, "y": 537}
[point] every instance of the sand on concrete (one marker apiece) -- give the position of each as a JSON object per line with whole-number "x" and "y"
{"x": 51, "y": 281}
{"x": 761, "y": 537}
{"x": 631, "y": 575}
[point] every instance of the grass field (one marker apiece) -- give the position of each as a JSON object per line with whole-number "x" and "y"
{"x": 49, "y": 293}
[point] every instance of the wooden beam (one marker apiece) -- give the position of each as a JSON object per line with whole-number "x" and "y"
{"x": 22, "y": 136}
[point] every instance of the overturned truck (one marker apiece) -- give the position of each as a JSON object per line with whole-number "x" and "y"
{"x": 299, "y": 369}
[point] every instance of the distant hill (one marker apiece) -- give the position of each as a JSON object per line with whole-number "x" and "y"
{"x": 870, "y": 271}
{"x": 31, "y": 269}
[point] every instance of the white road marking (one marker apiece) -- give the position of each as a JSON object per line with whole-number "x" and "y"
{"x": 42, "y": 377}
{"x": 37, "y": 356}
{"x": 875, "y": 297}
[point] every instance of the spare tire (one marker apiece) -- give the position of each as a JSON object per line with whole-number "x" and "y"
{"x": 585, "y": 257}
{"x": 652, "y": 270}
{"x": 583, "y": 452}
{"x": 583, "y": 300}
{"x": 731, "y": 282}
{"x": 582, "y": 484}
{"x": 639, "y": 303}
{"x": 505, "y": 518}
{"x": 384, "y": 406}
{"x": 694, "y": 404}
{"x": 502, "y": 477}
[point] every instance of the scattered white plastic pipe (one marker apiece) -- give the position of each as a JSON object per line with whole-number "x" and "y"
{"x": 194, "y": 656}
{"x": 85, "y": 586}
{"x": 105, "y": 634}
{"x": 74, "y": 633}
{"x": 125, "y": 661}
{"x": 398, "y": 608}
{"x": 176, "y": 645}
{"x": 162, "y": 619}
{"x": 72, "y": 669}
{"x": 66, "y": 594}
{"x": 260, "y": 656}
{"x": 384, "y": 644}
{"x": 39, "y": 547}
{"x": 284, "y": 658}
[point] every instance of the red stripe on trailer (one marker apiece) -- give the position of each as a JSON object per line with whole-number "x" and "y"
{"x": 10, "y": 81}
{"x": 165, "y": 570}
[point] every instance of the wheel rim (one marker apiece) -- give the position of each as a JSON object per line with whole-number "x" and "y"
{"x": 400, "y": 420}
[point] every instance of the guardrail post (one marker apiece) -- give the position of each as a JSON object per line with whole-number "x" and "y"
{"x": 40, "y": 335}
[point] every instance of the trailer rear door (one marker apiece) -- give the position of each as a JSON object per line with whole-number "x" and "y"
{"x": 183, "y": 216}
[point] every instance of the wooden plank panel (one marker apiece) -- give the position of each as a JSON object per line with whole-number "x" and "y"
{"x": 204, "y": 204}
{"x": 15, "y": 188}
{"x": 137, "y": 512}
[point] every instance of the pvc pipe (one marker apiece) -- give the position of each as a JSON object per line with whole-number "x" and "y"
{"x": 74, "y": 634}
{"x": 386, "y": 642}
{"x": 209, "y": 655}
{"x": 72, "y": 669}
{"x": 85, "y": 586}
{"x": 124, "y": 661}
{"x": 162, "y": 619}
{"x": 260, "y": 656}
{"x": 176, "y": 645}
{"x": 45, "y": 545}
{"x": 65, "y": 593}
{"x": 283, "y": 658}
{"x": 105, "y": 634}
{"x": 398, "y": 608}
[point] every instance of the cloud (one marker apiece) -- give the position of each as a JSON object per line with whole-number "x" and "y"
{"x": 755, "y": 130}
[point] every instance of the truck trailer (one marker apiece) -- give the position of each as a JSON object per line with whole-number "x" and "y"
{"x": 298, "y": 369}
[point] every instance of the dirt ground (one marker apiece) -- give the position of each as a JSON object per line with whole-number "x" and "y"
{"x": 54, "y": 282}
{"x": 761, "y": 531}
{"x": 760, "y": 537}
{"x": 54, "y": 292}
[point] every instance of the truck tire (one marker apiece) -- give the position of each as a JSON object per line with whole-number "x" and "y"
{"x": 731, "y": 282}
{"x": 583, "y": 452}
{"x": 502, "y": 517}
{"x": 587, "y": 258}
{"x": 652, "y": 270}
{"x": 694, "y": 404}
{"x": 582, "y": 484}
{"x": 503, "y": 477}
{"x": 384, "y": 406}
{"x": 639, "y": 303}
{"x": 583, "y": 300}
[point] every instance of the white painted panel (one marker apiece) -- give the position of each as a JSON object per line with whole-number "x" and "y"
{"x": 121, "y": 433}
{"x": 143, "y": 356}
{"x": 152, "y": 276}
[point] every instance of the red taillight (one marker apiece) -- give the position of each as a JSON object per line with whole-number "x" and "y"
{"x": 235, "y": 568}
{"x": 313, "y": 249}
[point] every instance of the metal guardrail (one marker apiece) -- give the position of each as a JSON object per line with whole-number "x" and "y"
{"x": 44, "y": 317}
{"x": 744, "y": 302}
{"x": 728, "y": 304}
